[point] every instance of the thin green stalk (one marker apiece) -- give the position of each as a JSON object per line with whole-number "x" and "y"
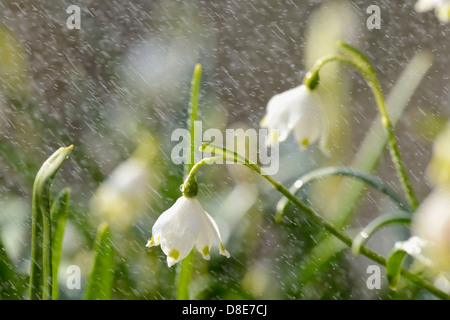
{"x": 393, "y": 148}
{"x": 193, "y": 114}
{"x": 316, "y": 218}
{"x": 184, "y": 276}
{"x": 186, "y": 266}
{"x": 364, "y": 66}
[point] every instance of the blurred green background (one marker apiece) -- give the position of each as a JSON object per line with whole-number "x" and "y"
{"x": 119, "y": 86}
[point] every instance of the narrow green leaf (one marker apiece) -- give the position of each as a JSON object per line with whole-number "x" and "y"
{"x": 41, "y": 239}
{"x": 379, "y": 222}
{"x": 59, "y": 216}
{"x": 100, "y": 282}
{"x": 7, "y": 276}
{"x": 394, "y": 265}
{"x": 321, "y": 173}
{"x": 413, "y": 247}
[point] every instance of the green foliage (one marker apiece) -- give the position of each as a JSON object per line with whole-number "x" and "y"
{"x": 101, "y": 278}
{"x": 394, "y": 265}
{"x": 59, "y": 212}
{"x": 382, "y": 221}
{"x": 41, "y": 247}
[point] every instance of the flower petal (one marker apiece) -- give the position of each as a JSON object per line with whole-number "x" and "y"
{"x": 279, "y": 110}
{"x": 432, "y": 223}
{"x": 177, "y": 229}
{"x": 213, "y": 230}
{"x": 309, "y": 127}
{"x": 181, "y": 227}
{"x": 296, "y": 109}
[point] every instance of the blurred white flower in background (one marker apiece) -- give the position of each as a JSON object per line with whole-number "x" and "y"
{"x": 441, "y": 8}
{"x": 432, "y": 223}
{"x": 297, "y": 109}
{"x": 432, "y": 219}
{"x": 181, "y": 227}
{"x": 125, "y": 194}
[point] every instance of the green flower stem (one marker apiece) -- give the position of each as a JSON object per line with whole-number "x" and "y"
{"x": 316, "y": 218}
{"x": 193, "y": 113}
{"x": 185, "y": 269}
{"x": 311, "y": 79}
{"x": 184, "y": 275}
{"x": 41, "y": 229}
{"x": 186, "y": 265}
{"x": 362, "y": 64}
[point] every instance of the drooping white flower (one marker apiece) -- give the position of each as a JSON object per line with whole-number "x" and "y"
{"x": 432, "y": 223}
{"x": 185, "y": 225}
{"x": 297, "y": 109}
{"x": 441, "y": 8}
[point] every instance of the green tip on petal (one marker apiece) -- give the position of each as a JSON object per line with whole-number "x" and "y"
{"x": 223, "y": 251}
{"x": 151, "y": 242}
{"x": 305, "y": 142}
{"x": 174, "y": 254}
{"x": 205, "y": 251}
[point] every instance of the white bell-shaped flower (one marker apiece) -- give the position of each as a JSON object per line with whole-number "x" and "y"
{"x": 185, "y": 225}
{"x": 441, "y": 8}
{"x": 297, "y": 109}
{"x": 432, "y": 223}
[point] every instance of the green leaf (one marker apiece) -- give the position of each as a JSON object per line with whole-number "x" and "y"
{"x": 7, "y": 276}
{"x": 41, "y": 240}
{"x": 413, "y": 247}
{"x": 394, "y": 265}
{"x": 320, "y": 173}
{"x": 59, "y": 216}
{"x": 100, "y": 282}
{"x": 379, "y": 222}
